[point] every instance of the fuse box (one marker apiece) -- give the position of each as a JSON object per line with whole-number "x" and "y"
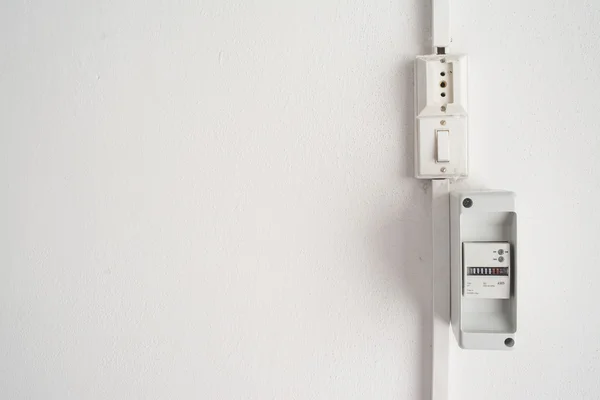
{"x": 483, "y": 269}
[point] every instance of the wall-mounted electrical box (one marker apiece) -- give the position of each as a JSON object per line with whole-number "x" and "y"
{"x": 483, "y": 246}
{"x": 441, "y": 117}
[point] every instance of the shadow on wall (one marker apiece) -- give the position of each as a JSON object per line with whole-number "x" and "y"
{"x": 406, "y": 237}
{"x": 406, "y": 251}
{"x": 404, "y": 83}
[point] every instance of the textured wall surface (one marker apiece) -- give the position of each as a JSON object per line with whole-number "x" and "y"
{"x": 213, "y": 199}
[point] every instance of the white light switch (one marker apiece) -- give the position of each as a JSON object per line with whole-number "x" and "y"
{"x": 443, "y": 146}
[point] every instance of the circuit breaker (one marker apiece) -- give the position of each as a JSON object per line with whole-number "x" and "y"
{"x": 486, "y": 270}
{"x": 483, "y": 269}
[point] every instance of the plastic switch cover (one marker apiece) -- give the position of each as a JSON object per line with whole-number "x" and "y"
{"x": 441, "y": 105}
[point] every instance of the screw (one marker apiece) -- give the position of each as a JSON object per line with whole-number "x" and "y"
{"x": 443, "y": 108}
{"x": 467, "y": 203}
{"x": 443, "y": 60}
{"x": 500, "y": 259}
{"x": 443, "y": 169}
{"x": 442, "y": 122}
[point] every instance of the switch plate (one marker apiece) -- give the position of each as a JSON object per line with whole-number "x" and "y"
{"x": 441, "y": 104}
{"x": 427, "y": 164}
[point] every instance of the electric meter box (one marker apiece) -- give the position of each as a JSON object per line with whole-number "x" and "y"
{"x": 483, "y": 247}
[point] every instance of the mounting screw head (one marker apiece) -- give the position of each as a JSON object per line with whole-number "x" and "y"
{"x": 443, "y": 108}
{"x": 467, "y": 203}
{"x": 443, "y": 169}
{"x": 442, "y": 122}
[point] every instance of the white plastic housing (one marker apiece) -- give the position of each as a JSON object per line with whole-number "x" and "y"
{"x": 483, "y": 230}
{"x": 441, "y": 105}
{"x": 441, "y": 23}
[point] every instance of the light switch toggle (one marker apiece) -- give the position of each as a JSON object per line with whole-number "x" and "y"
{"x": 442, "y": 146}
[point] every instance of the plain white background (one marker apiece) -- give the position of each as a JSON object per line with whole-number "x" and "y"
{"x": 214, "y": 199}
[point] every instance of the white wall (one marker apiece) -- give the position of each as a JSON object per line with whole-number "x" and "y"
{"x": 214, "y": 200}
